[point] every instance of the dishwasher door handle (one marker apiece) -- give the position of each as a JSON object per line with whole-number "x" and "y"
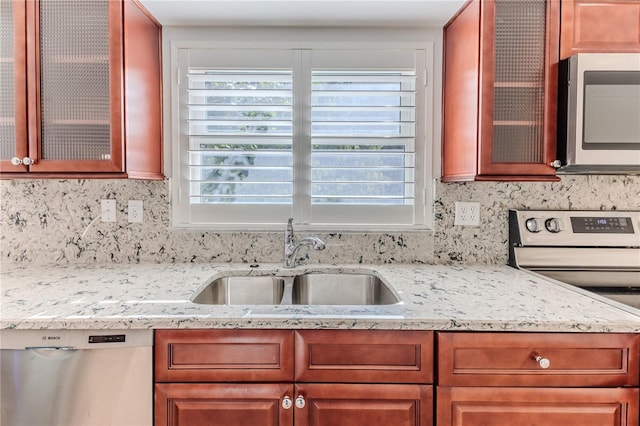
{"x": 50, "y": 348}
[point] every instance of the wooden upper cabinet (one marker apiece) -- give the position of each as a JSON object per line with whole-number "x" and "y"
{"x": 143, "y": 93}
{"x": 13, "y": 82}
{"x": 89, "y": 76}
{"x": 500, "y": 88}
{"x": 599, "y": 26}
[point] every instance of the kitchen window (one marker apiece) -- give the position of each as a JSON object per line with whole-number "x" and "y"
{"x": 329, "y": 137}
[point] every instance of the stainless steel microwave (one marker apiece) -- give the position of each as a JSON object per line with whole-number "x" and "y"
{"x": 599, "y": 114}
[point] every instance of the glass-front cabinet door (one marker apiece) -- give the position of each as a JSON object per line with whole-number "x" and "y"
{"x": 73, "y": 86}
{"x": 13, "y": 84}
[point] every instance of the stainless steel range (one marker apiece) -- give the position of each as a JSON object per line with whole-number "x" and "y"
{"x": 596, "y": 251}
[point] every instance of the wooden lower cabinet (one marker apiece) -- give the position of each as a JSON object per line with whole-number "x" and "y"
{"x": 387, "y": 378}
{"x": 286, "y": 378}
{"x": 502, "y": 406}
{"x": 364, "y": 404}
{"x": 243, "y": 404}
{"x": 228, "y": 404}
{"x": 541, "y": 379}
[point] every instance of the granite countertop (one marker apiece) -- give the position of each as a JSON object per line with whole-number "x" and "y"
{"x": 434, "y": 297}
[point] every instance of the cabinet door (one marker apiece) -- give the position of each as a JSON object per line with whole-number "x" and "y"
{"x": 518, "y": 87}
{"x": 371, "y": 405}
{"x": 599, "y": 26}
{"x": 222, "y": 404}
{"x": 536, "y": 406}
{"x": 500, "y": 91}
{"x": 74, "y": 86}
{"x": 13, "y": 84}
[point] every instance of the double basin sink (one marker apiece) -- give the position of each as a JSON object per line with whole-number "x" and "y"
{"x": 313, "y": 288}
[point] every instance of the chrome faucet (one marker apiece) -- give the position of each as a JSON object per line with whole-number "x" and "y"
{"x": 291, "y": 247}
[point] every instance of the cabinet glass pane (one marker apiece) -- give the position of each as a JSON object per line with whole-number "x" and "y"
{"x": 519, "y": 81}
{"x": 7, "y": 92}
{"x": 74, "y": 64}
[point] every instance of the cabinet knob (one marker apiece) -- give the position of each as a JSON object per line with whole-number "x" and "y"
{"x": 556, "y": 164}
{"x": 286, "y": 402}
{"x": 26, "y": 161}
{"x": 544, "y": 363}
{"x": 300, "y": 402}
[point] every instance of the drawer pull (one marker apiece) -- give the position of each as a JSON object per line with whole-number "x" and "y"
{"x": 544, "y": 363}
{"x": 286, "y": 403}
{"x": 300, "y": 402}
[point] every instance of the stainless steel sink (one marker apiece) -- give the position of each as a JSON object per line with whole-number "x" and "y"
{"x": 313, "y": 288}
{"x": 242, "y": 290}
{"x": 341, "y": 289}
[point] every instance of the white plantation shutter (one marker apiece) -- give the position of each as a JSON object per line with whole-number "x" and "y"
{"x": 240, "y": 137}
{"x": 363, "y": 139}
{"x": 328, "y": 137}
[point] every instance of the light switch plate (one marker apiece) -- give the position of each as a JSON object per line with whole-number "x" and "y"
{"x": 108, "y": 210}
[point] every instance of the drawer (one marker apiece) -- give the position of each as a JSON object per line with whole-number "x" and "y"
{"x": 364, "y": 356}
{"x": 223, "y": 355}
{"x": 509, "y": 406}
{"x": 509, "y": 359}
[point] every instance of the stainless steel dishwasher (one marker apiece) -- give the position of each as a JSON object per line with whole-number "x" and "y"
{"x": 76, "y": 377}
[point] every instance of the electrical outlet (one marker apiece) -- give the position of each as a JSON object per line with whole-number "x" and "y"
{"x": 135, "y": 211}
{"x": 108, "y": 210}
{"x": 467, "y": 213}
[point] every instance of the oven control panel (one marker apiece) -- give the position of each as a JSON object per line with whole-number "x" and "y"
{"x": 601, "y": 225}
{"x": 575, "y": 228}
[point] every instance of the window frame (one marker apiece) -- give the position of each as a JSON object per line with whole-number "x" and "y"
{"x": 180, "y": 38}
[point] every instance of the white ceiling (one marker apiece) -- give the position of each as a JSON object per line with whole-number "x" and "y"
{"x": 323, "y": 13}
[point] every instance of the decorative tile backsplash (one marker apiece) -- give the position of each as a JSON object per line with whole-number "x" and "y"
{"x": 57, "y": 221}
{"x": 488, "y": 243}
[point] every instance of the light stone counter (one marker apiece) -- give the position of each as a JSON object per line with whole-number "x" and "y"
{"x": 434, "y": 297}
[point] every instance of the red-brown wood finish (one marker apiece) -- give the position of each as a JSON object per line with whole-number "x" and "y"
{"x": 370, "y": 404}
{"x": 468, "y": 80}
{"x": 474, "y": 406}
{"x": 20, "y": 87}
{"x": 497, "y": 359}
{"x": 352, "y": 356}
{"x": 135, "y": 100}
{"x": 599, "y": 26}
{"x": 222, "y": 404}
{"x": 487, "y": 166}
{"x": 143, "y": 93}
{"x": 116, "y": 162}
{"x": 223, "y": 355}
{"x": 214, "y": 358}
{"x": 461, "y": 76}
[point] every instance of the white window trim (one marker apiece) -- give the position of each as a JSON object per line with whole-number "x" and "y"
{"x": 175, "y": 38}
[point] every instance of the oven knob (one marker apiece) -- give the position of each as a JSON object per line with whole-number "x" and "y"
{"x": 533, "y": 224}
{"x": 553, "y": 225}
